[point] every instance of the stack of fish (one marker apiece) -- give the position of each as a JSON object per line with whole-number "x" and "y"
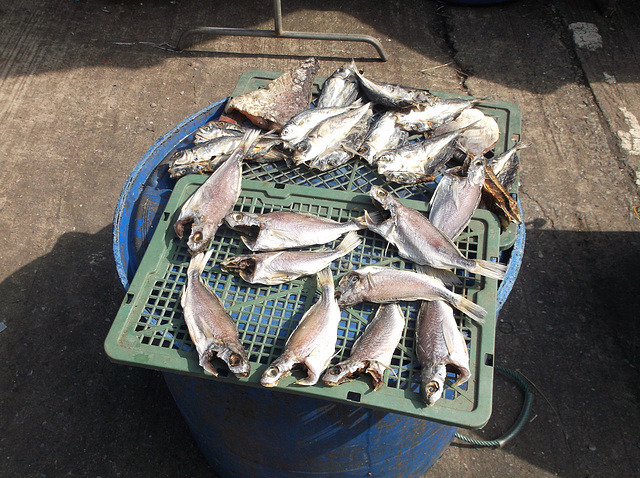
{"x": 353, "y": 117}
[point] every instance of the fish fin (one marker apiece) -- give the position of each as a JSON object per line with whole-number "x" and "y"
{"x": 325, "y": 277}
{"x": 494, "y": 270}
{"x": 447, "y": 276}
{"x": 249, "y": 139}
{"x": 349, "y": 243}
{"x": 449, "y": 339}
{"x": 370, "y": 279}
{"x": 199, "y": 261}
{"x": 471, "y": 309}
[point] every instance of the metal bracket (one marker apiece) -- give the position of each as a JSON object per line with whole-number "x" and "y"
{"x": 278, "y": 32}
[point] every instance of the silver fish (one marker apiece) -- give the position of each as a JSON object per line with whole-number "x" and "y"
{"x": 426, "y": 117}
{"x": 506, "y": 165}
{"x": 329, "y": 133}
{"x": 373, "y": 350}
{"x": 206, "y": 208}
{"x": 340, "y": 89}
{"x": 212, "y": 330}
{"x": 385, "y": 284}
{"x": 384, "y": 135}
{"x": 279, "y": 230}
{"x": 301, "y": 124}
{"x": 391, "y": 95}
{"x": 456, "y": 198}
{"x": 421, "y": 242}
{"x": 313, "y": 342}
{"x": 475, "y": 141}
{"x": 272, "y": 268}
{"x": 439, "y": 343}
{"x": 418, "y": 161}
{"x": 216, "y": 129}
{"x": 346, "y": 149}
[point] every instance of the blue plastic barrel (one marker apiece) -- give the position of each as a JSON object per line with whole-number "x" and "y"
{"x": 248, "y": 431}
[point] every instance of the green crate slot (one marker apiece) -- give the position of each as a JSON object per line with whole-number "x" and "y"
{"x": 150, "y": 331}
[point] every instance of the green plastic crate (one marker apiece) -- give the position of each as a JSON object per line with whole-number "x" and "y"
{"x": 149, "y": 329}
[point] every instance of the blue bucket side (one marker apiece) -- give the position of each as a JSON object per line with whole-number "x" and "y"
{"x": 146, "y": 192}
{"x": 513, "y": 266}
{"x": 247, "y": 431}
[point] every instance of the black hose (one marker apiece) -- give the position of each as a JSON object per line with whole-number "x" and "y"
{"x": 515, "y": 429}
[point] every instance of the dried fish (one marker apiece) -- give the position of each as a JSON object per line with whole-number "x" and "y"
{"x": 373, "y": 350}
{"x": 428, "y": 116}
{"x": 421, "y": 242}
{"x": 313, "y": 342}
{"x": 301, "y": 124}
{"x": 384, "y": 135}
{"x": 506, "y": 165}
{"x": 212, "y": 330}
{"x": 385, "y": 284}
{"x": 340, "y": 89}
{"x": 279, "y": 230}
{"x": 272, "y": 268}
{"x": 271, "y": 107}
{"x": 456, "y": 198}
{"x": 475, "y": 141}
{"x": 206, "y": 208}
{"x": 391, "y": 95}
{"x": 439, "y": 343}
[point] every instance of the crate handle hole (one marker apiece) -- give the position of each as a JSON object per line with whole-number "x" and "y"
{"x": 279, "y": 186}
{"x": 488, "y": 359}
{"x": 129, "y": 299}
{"x": 353, "y": 396}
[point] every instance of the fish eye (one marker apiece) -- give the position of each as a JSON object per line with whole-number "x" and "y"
{"x": 235, "y": 360}
{"x": 433, "y": 387}
{"x": 382, "y": 193}
{"x": 272, "y": 372}
{"x": 336, "y": 370}
{"x": 197, "y": 237}
{"x": 478, "y": 162}
{"x": 302, "y": 147}
{"x": 238, "y": 216}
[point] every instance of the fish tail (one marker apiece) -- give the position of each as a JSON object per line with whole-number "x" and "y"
{"x": 199, "y": 261}
{"x": 470, "y": 308}
{"x": 349, "y": 243}
{"x": 325, "y": 277}
{"x": 494, "y": 270}
{"x": 249, "y": 139}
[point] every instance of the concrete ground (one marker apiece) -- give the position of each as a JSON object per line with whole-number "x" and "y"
{"x": 86, "y": 87}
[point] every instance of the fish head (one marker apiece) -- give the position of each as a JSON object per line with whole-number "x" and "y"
{"x": 272, "y": 375}
{"x": 236, "y": 359}
{"x": 383, "y": 199}
{"x": 245, "y": 265}
{"x": 343, "y": 372}
{"x": 353, "y": 288}
{"x": 306, "y": 150}
{"x": 182, "y": 158}
{"x": 475, "y": 173}
{"x": 242, "y": 221}
{"x": 290, "y": 131}
{"x": 432, "y": 379}
{"x": 199, "y": 238}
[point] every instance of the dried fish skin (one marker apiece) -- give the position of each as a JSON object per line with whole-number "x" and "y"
{"x": 206, "y": 208}
{"x": 271, "y": 268}
{"x": 428, "y": 116}
{"x": 383, "y": 135}
{"x": 439, "y": 343}
{"x": 313, "y": 342}
{"x": 475, "y": 141}
{"x": 373, "y": 350}
{"x": 211, "y": 328}
{"x": 384, "y": 284}
{"x": 271, "y": 107}
{"x": 498, "y": 200}
{"x": 391, "y": 95}
{"x": 456, "y": 198}
{"x": 279, "y": 230}
{"x": 340, "y": 89}
{"x": 421, "y": 242}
